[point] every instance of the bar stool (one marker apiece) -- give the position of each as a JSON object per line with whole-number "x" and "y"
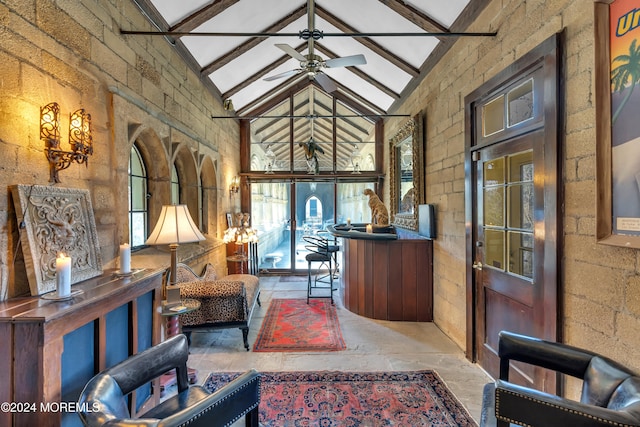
{"x": 333, "y": 249}
{"x": 319, "y": 252}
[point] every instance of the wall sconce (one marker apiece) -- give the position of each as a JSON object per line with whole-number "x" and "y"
{"x": 234, "y": 187}
{"x": 80, "y": 138}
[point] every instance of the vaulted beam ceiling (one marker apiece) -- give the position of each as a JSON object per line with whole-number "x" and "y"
{"x": 234, "y": 64}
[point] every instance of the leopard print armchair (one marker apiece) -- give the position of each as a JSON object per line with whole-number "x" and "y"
{"x": 227, "y": 302}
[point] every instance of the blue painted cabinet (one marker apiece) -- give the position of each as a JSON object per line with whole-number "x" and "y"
{"x": 57, "y": 346}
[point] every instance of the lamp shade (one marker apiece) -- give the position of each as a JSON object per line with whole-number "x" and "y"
{"x": 175, "y": 225}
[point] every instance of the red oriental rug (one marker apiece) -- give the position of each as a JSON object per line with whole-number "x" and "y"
{"x": 340, "y": 399}
{"x": 294, "y": 325}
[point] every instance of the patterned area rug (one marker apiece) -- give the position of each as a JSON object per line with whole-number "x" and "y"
{"x": 293, "y": 325}
{"x": 337, "y": 399}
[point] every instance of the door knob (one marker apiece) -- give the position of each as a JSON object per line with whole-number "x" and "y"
{"x": 477, "y": 265}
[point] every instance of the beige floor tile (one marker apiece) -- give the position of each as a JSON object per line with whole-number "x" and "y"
{"x": 372, "y": 345}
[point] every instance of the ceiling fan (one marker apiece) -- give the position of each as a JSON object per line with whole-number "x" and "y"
{"x": 312, "y": 64}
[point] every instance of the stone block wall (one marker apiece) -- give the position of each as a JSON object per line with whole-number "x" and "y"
{"x": 72, "y": 53}
{"x": 600, "y": 285}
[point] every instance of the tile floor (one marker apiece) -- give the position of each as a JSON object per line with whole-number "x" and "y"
{"x": 372, "y": 345}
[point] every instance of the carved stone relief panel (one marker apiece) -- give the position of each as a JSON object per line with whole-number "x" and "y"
{"x": 53, "y": 221}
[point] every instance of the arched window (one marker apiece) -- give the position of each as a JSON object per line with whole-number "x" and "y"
{"x": 138, "y": 208}
{"x": 175, "y": 185}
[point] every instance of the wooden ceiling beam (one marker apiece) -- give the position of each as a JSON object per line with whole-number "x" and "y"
{"x": 200, "y": 17}
{"x": 256, "y": 76}
{"x": 416, "y": 17}
{"x": 366, "y": 77}
{"x": 276, "y": 129}
{"x": 366, "y": 41}
{"x": 252, "y": 42}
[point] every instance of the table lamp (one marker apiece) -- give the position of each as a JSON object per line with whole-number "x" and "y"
{"x": 174, "y": 226}
{"x": 240, "y": 236}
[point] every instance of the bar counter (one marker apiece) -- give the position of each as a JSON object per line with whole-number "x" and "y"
{"x": 386, "y": 275}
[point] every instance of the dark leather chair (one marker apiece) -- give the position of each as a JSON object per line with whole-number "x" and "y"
{"x": 610, "y": 392}
{"x": 104, "y": 398}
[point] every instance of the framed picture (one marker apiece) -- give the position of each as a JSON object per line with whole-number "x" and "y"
{"x": 617, "y": 127}
{"x": 57, "y": 221}
{"x": 229, "y": 220}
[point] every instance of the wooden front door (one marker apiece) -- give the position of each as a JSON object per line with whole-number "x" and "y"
{"x": 513, "y": 210}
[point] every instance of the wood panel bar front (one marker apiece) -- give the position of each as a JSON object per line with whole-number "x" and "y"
{"x": 388, "y": 279}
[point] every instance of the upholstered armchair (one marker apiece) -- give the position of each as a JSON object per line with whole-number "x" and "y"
{"x": 610, "y": 392}
{"x": 103, "y": 402}
{"x": 225, "y": 302}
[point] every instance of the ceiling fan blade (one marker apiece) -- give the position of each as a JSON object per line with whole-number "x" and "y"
{"x": 346, "y": 61}
{"x": 326, "y": 83}
{"x": 291, "y": 52}
{"x": 281, "y": 75}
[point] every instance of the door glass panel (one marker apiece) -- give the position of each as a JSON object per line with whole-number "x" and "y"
{"x": 521, "y": 253}
{"x": 520, "y": 103}
{"x": 521, "y": 206}
{"x": 494, "y": 248}
{"x": 314, "y": 210}
{"x": 494, "y": 192}
{"x": 520, "y": 214}
{"x": 270, "y": 214}
{"x": 494, "y": 172}
{"x": 353, "y": 204}
{"x": 493, "y": 116}
{"x": 513, "y": 197}
{"x": 494, "y": 206}
{"x": 521, "y": 167}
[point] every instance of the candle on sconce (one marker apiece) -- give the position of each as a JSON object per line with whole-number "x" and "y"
{"x": 369, "y": 228}
{"x": 125, "y": 258}
{"x": 63, "y": 275}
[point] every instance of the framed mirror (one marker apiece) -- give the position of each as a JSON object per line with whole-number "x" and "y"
{"x": 406, "y": 173}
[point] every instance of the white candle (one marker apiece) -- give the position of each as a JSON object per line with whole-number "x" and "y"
{"x": 125, "y": 258}
{"x": 348, "y": 221}
{"x": 63, "y": 275}
{"x": 369, "y": 228}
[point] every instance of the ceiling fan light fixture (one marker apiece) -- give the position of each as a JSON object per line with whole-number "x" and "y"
{"x": 312, "y": 65}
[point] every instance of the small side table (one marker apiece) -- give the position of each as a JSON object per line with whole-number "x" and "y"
{"x": 187, "y": 305}
{"x": 241, "y": 258}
